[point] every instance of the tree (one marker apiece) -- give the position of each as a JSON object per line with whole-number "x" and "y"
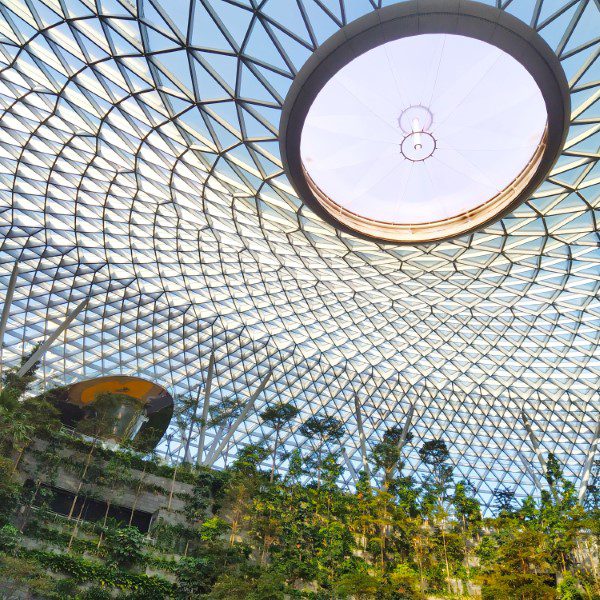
{"x": 361, "y": 586}
{"x": 504, "y": 501}
{"x": 323, "y": 431}
{"x": 386, "y": 454}
{"x": 466, "y": 506}
{"x": 518, "y": 568}
{"x": 22, "y": 416}
{"x": 435, "y": 455}
{"x": 277, "y": 416}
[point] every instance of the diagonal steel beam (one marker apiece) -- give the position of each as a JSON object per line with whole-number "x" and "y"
{"x": 10, "y": 290}
{"x": 247, "y": 408}
{"x": 534, "y": 441}
{"x": 406, "y": 428}
{"x": 205, "y": 407}
{"x": 39, "y": 353}
{"x": 361, "y": 436}
{"x": 529, "y": 471}
{"x": 215, "y": 441}
{"x": 350, "y": 466}
{"x": 188, "y": 436}
{"x": 587, "y": 467}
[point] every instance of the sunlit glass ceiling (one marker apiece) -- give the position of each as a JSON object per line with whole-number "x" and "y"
{"x": 143, "y": 203}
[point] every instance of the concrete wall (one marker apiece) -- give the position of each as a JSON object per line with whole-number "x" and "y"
{"x": 155, "y": 503}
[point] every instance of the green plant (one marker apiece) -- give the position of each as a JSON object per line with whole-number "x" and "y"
{"x": 213, "y": 528}
{"x": 94, "y": 593}
{"x": 9, "y": 538}
{"x": 124, "y": 545}
{"x": 569, "y": 589}
{"x": 276, "y": 416}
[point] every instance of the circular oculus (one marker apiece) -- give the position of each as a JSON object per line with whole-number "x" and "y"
{"x": 422, "y": 122}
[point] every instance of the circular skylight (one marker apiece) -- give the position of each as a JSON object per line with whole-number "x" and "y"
{"x": 427, "y": 135}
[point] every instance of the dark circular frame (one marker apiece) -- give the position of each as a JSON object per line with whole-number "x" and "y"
{"x": 410, "y": 18}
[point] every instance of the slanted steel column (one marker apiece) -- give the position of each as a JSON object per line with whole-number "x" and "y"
{"x": 39, "y": 353}
{"x": 205, "y": 407}
{"x": 534, "y": 441}
{"x": 215, "y": 442}
{"x": 10, "y": 290}
{"x": 247, "y": 408}
{"x": 587, "y": 467}
{"x": 188, "y": 435}
{"x": 406, "y": 428}
{"x": 350, "y": 466}
{"x": 361, "y": 436}
{"x": 529, "y": 471}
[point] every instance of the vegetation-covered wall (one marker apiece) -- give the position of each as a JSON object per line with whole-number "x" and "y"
{"x": 248, "y": 532}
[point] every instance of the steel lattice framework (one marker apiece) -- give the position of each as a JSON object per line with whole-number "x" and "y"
{"x": 146, "y": 225}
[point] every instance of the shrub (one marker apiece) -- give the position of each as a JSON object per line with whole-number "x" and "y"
{"x": 94, "y": 593}
{"x": 9, "y": 538}
{"x": 212, "y": 529}
{"x": 124, "y": 545}
{"x": 568, "y": 589}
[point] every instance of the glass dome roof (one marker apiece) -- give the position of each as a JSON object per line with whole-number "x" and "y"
{"x": 147, "y": 225}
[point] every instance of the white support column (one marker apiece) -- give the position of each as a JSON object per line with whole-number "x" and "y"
{"x": 39, "y": 353}
{"x": 587, "y": 467}
{"x": 361, "y": 436}
{"x": 188, "y": 436}
{"x": 530, "y": 473}
{"x": 215, "y": 442}
{"x": 406, "y": 428}
{"x": 350, "y": 466}
{"x": 534, "y": 441}
{"x": 10, "y": 290}
{"x": 247, "y": 408}
{"x": 205, "y": 407}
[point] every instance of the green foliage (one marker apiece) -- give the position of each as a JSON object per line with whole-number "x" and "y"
{"x": 94, "y": 593}
{"x": 252, "y": 535}
{"x": 212, "y": 529}
{"x": 435, "y": 455}
{"x": 249, "y": 458}
{"x": 10, "y": 538}
{"x": 10, "y": 490}
{"x": 124, "y": 545}
{"x": 23, "y": 577}
{"x": 250, "y": 584}
{"x": 196, "y": 575}
{"x": 82, "y": 570}
{"x": 466, "y": 505}
{"x": 279, "y": 414}
{"x": 504, "y": 501}
{"x": 386, "y": 453}
{"x": 206, "y": 494}
{"x": 23, "y": 417}
{"x": 358, "y": 585}
{"x": 569, "y": 589}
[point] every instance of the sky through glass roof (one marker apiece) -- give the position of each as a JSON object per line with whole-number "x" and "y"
{"x": 142, "y": 197}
